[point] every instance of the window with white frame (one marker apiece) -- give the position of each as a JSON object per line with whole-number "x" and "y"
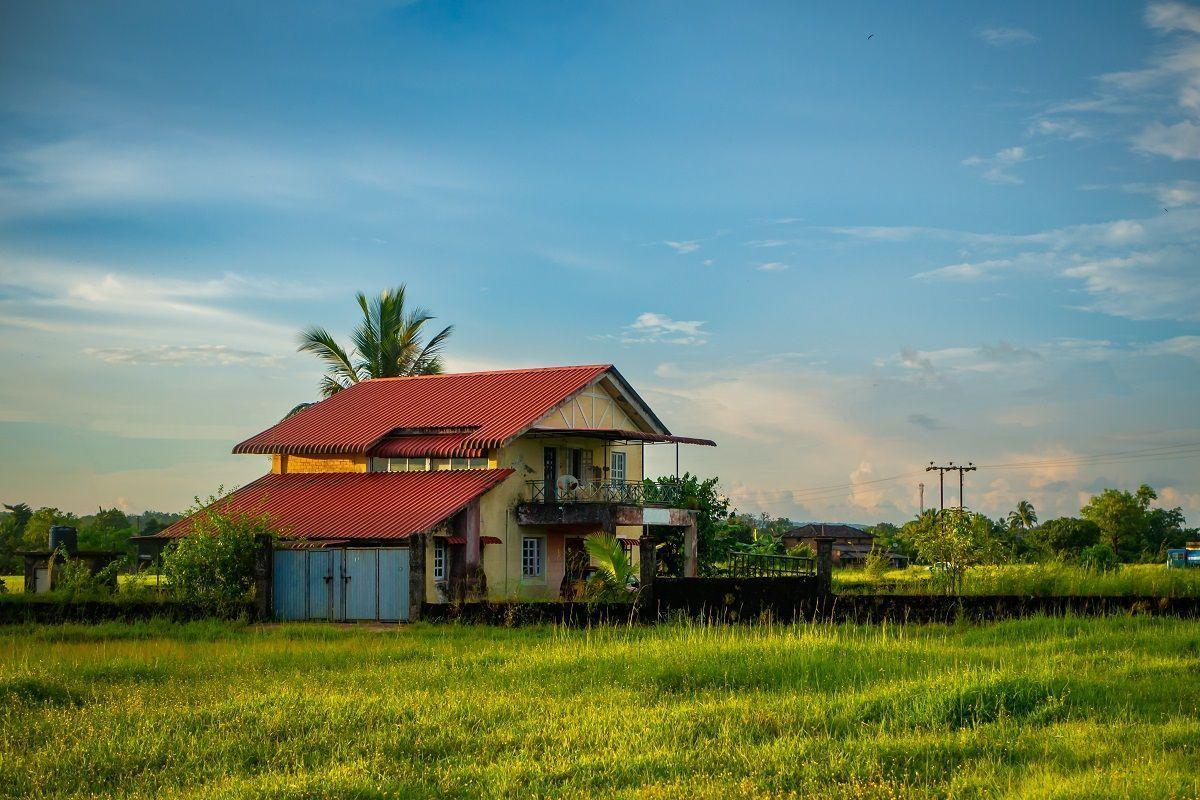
{"x": 617, "y": 472}
{"x": 439, "y": 559}
{"x": 531, "y": 556}
{"x": 426, "y": 464}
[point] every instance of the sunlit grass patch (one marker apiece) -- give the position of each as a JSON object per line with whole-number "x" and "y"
{"x": 1025, "y": 708}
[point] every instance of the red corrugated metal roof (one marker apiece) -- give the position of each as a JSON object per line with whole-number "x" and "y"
{"x": 425, "y": 444}
{"x": 498, "y": 405}
{"x": 356, "y": 505}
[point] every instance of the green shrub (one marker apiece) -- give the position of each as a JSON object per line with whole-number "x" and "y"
{"x": 877, "y": 563}
{"x": 213, "y": 566}
{"x": 1099, "y": 557}
{"x": 74, "y": 579}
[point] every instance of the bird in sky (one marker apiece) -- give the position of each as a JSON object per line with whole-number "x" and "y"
{"x": 869, "y": 38}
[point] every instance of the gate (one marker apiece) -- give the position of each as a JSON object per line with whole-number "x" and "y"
{"x": 341, "y": 584}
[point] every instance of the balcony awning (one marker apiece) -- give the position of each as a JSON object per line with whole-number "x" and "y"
{"x": 615, "y": 434}
{"x": 456, "y": 539}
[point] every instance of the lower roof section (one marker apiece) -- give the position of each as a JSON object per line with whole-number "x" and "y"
{"x": 356, "y": 506}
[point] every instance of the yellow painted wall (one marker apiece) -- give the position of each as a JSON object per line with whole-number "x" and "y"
{"x": 315, "y": 464}
{"x": 502, "y": 562}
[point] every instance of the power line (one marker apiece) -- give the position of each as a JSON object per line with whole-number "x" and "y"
{"x": 941, "y": 471}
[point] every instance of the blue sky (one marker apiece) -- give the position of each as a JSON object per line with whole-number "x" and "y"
{"x": 972, "y": 236}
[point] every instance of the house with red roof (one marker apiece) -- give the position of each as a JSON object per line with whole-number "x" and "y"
{"x": 398, "y": 492}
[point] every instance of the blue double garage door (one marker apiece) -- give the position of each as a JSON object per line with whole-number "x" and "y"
{"x": 352, "y": 583}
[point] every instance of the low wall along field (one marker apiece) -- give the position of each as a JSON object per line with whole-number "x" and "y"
{"x": 1064, "y": 707}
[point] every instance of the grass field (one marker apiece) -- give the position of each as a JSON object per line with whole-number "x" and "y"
{"x": 1031, "y": 708}
{"x": 1033, "y": 579}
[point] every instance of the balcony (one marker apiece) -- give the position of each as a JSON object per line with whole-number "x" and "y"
{"x": 604, "y": 503}
{"x": 621, "y": 493}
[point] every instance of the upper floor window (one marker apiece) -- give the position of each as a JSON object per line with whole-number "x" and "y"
{"x": 426, "y": 464}
{"x": 617, "y": 473}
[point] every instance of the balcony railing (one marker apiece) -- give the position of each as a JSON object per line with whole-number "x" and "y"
{"x": 758, "y": 565}
{"x": 624, "y": 493}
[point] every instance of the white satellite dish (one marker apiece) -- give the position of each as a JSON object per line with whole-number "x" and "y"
{"x": 567, "y": 484}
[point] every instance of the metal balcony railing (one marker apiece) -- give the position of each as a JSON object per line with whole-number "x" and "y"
{"x": 625, "y": 493}
{"x": 757, "y": 565}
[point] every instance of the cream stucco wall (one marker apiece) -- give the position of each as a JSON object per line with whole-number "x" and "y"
{"x": 502, "y": 562}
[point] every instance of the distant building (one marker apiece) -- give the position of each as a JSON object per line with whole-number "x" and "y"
{"x": 851, "y": 545}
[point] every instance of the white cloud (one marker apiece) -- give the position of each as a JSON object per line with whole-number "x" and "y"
{"x": 76, "y": 299}
{"x": 999, "y": 36}
{"x": 93, "y": 171}
{"x": 1172, "y": 16}
{"x": 773, "y": 266}
{"x": 1063, "y": 128}
{"x": 1142, "y": 286}
{"x": 768, "y": 242}
{"x": 996, "y": 168}
{"x": 654, "y": 328}
{"x": 863, "y": 494}
{"x": 205, "y": 355}
{"x": 968, "y": 270}
{"x": 1169, "y": 195}
{"x": 683, "y": 247}
{"x": 1187, "y": 346}
{"x": 1177, "y": 142}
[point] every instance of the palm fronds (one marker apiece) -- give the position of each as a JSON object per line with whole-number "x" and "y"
{"x": 388, "y": 342}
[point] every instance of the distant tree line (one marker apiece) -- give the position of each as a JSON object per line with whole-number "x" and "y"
{"x": 23, "y": 528}
{"x": 1115, "y": 526}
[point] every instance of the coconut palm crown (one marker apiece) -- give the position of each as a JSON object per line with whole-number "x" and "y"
{"x": 387, "y": 343}
{"x": 1024, "y": 517}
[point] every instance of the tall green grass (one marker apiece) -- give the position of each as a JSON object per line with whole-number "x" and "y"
{"x": 1041, "y": 580}
{"x": 1040, "y": 707}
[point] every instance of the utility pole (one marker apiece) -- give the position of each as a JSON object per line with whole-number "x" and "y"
{"x": 921, "y": 489}
{"x": 941, "y": 471}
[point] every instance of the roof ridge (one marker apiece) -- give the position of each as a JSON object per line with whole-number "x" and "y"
{"x": 490, "y": 372}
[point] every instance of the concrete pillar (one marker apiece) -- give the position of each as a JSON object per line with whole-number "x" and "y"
{"x": 416, "y": 575}
{"x": 691, "y": 554}
{"x": 647, "y": 568}
{"x": 824, "y": 563}
{"x": 466, "y": 525}
{"x": 264, "y": 577}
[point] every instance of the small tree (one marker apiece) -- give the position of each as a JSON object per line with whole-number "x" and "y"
{"x": 952, "y": 544}
{"x": 690, "y": 491}
{"x": 213, "y": 566}
{"x": 614, "y": 579}
{"x": 877, "y": 562}
{"x": 1099, "y": 557}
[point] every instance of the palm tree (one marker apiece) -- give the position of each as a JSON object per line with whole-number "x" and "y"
{"x": 614, "y": 577}
{"x": 1023, "y": 517}
{"x": 387, "y": 344}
